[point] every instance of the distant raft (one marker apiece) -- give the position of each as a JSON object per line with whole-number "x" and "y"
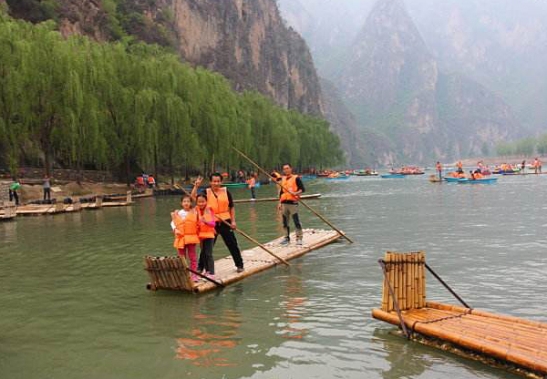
{"x": 266, "y": 199}
{"x": 171, "y": 273}
{"x": 504, "y": 341}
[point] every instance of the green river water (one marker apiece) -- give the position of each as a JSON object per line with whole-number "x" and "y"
{"x": 74, "y": 303}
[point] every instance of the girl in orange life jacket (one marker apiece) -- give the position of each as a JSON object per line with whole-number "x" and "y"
{"x": 184, "y": 223}
{"x": 206, "y": 227}
{"x": 220, "y": 201}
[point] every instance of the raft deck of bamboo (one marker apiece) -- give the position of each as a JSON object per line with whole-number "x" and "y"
{"x": 170, "y": 272}
{"x": 518, "y": 342}
{"x": 7, "y": 211}
{"x": 265, "y": 199}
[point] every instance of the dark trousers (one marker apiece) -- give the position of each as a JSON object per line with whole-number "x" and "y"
{"x": 253, "y": 193}
{"x": 230, "y": 240}
{"x": 291, "y": 210}
{"x": 47, "y": 194}
{"x": 13, "y": 196}
{"x": 206, "y": 261}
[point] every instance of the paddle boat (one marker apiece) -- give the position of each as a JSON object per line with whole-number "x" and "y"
{"x": 408, "y": 170}
{"x": 234, "y": 185}
{"x": 365, "y": 173}
{"x": 393, "y": 176}
{"x": 471, "y": 181}
{"x": 338, "y": 176}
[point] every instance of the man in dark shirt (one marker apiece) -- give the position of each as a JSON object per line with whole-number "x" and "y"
{"x": 291, "y": 189}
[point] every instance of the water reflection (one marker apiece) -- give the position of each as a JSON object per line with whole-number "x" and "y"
{"x": 209, "y": 339}
{"x": 294, "y": 307}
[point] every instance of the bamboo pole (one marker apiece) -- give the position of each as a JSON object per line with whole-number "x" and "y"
{"x": 301, "y": 201}
{"x": 255, "y": 242}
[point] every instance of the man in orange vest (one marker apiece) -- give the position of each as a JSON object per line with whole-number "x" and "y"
{"x": 291, "y": 189}
{"x": 220, "y": 200}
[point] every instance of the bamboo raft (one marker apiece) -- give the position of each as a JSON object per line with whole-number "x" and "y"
{"x": 171, "y": 273}
{"x": 8, "y": 211}
{"x": 149, "y": 192}
{"x": 511, "y": 342}
{"x": 265, "y": 199}
{"x": 48, "y": 209}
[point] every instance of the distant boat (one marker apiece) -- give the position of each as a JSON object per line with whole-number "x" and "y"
{"x": 471, "y": 181}
{"x": 365, "y": 173}
{"x": 235, "y": 185}
{"x": 392, "y": 176}
{"x": 308, "y": 177}
{"x": 339, "y": 177}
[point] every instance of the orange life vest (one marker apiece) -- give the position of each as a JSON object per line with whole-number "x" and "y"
{"x": 289, "y": 184}
{"x": 439, "y": 167}
{"x": 151, "y": 180}
{"x": 140, "y": 180}
{"x": 220, "y": 204}
{"x": 206, "y": 231}
{"x": 186, "y": 230}
{"x": 459, "y": 165}
{"x": 251, "y": 182}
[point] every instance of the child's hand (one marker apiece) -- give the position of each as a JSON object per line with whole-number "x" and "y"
{"x": 198, "y": 181}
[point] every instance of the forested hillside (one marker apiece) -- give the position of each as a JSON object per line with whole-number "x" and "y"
{"x": 123, "y": 106}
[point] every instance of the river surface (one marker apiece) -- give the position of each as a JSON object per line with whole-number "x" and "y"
{"x": 73, "y": 302}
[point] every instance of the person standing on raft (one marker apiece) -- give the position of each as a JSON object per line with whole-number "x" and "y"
{"x": 184, "y": 223}
{"x": 291, "y": 189}
{"x": 439, "y": 168}
{"x": 220, "y": 200}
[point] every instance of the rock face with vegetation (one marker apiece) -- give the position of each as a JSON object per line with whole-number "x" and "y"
{"x": 245, "y": 40}
{"x": 126, "y": 105}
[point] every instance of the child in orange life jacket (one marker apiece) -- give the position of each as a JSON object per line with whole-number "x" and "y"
{"x": 184, "y": 223}
{"x": 206, "y": 227}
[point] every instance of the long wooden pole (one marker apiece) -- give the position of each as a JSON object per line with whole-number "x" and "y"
{"x": 301, "y": 201}
{"x": 250, "y": 238}
{"x": 255, "y": 242}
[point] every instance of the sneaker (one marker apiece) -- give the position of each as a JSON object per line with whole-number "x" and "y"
{"x": 285, "y": 241}
{"x": 299, "y": 242}
{"x": 253, "y": 199}
{"x": 240, "y": 270}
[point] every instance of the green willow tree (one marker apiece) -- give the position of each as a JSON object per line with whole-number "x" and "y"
{"x": 127, "y": 106}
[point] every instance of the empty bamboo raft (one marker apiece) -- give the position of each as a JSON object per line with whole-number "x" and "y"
{"x": 510, "y": 340}
{"x": 170, "y": 272}
{"x": 265, "y": 199}
{"x": 47, "y": 209}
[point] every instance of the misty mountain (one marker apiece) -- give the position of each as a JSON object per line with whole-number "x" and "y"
{"x": 397, "y": 83}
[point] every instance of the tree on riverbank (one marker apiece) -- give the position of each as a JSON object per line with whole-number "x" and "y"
{"x": 127, "y": 106}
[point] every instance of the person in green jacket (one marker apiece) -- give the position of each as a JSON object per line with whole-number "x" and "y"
{"x": 13, "y": 188}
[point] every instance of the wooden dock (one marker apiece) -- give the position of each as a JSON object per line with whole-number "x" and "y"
{"x": 266, "y": 199}
{"x": 171, "y": 273}
{"x": 511, "y": 342}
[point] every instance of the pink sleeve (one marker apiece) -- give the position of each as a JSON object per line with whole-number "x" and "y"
{"x": 212, "y": 223}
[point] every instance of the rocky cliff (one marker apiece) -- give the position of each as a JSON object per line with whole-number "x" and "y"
{"x": 245, "y": 40}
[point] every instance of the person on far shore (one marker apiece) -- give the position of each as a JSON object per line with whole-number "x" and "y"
{"x": 46, "y": 185}
{"x": 184, "y": 223}
{"x": 220, "y": 200}
{"x": 13, "y": 188}
{"x": 523, "y": 167}
{"x": 252, "y": 185}
{"x": 151, "y": 181}
{"x": 291, "y": 189}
